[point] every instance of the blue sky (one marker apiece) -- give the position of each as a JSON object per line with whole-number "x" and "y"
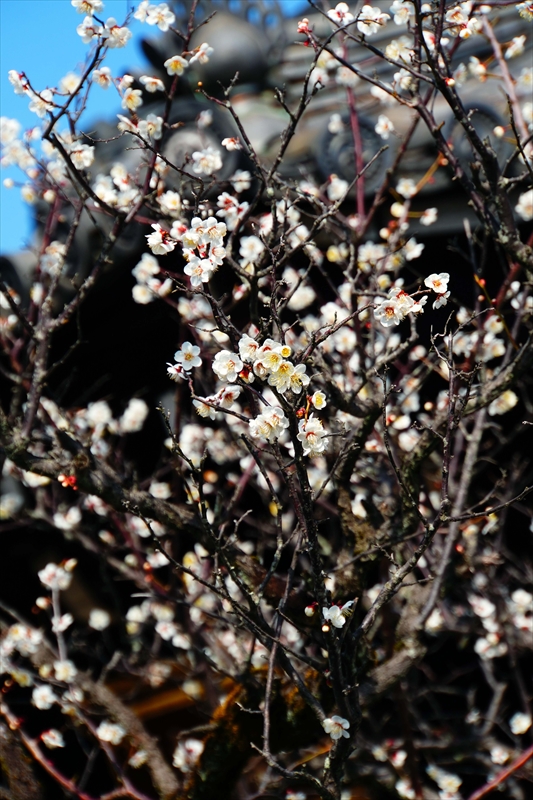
{"x": 39, "y": 37}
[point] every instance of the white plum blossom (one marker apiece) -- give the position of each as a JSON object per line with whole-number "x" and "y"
{"x": 187, "y": 754}
{"x": 477, "y": 68}
{"x": 228, "y": 395}
{"x": 176, "y": 65}
{"x": 435, "y": 621}
{"x": 115, "y": 35}
{"x": 144, "y": 272}
{"x": 312, "y": 436}
{"x": 504, "y": 403}
{"x": 412, "y": 249}
{"x": 160, "y": 490}
{"x": 18, "y": 81}
{"x": 160, "y": 241}
{"x": 134, "y": 416}
{"x": 204, "y": 119}
{"x": 142, "y": 294}
{"x": 206, "y": 161}
{"x": 230, "y": 209}
{"x": 152, "y": 84}
{"x": 403, "y": 79}
{"x": 481, "y": 606}
{"x": 527, "y": 113}
{"x": 23, "y": 638}
{"x": 204, "y": 232}
{"x": 170, "y": 203}
{"x": 402, "y": 10}
{"x": 299, "y": 380}
{"x": 335, "y": 616}
{"x": 398, "y": 758}
{"x": 241, "y": 180}
{"x": 389, "y": 312}
{"x": 65, "y": 670}
{"x": 82, "y": 155}
{"x": 41, "y": 103}
{"x": 406, "y": 187}
{"x": 160, "y": 15}
{"x": 490, "y": 646}
{"x": 441, "y": 300}
{"x": 400, "y": 50}
{"x": 99, "y": 619}
{"x": 458, "y": 15}
{"x": 188, "y": 356}
{"x": 52, "y": 738}
{"x": 337, "y": 188}
{"x": 151, "y": 127}
{"x": 446, "y": 781}
{"x": 405, "y": 789}
{"x": 227, "y": 365}
{"x": 303, "y": 26}
{"x": 248, "y": 348}
{"x": 231, "y": 143}
{"x": 132, "y": 99}
{"x": 28, "y": 194}
{"x": 301, "y": 298}
{"x": 371, "y": 19}
{"x": 429, "y": 216}
{"x": 280, "y": 379}
{"x": 199, "y": 270}
{"x": 340, "y": 14}
{"x": 110, "y": 732}
{"x": 33, "y": 480}
{"x": 142, "y": 11}
{"x": 318, "y": 399}
{"x": 139, "y": 758}
{"x": 60, "y": 624}
{"x": 55, "y": 577}
{"x": 89, "y": 30}
{"x": 102, "y": 77}
{"x": 269, "y": 425}
{"x": 524, "y": 207}
{"x": 69, "y": 83}
{"x": 202, "y": 54}
{"x": 43, "y": 697}
{"x": 9, "y": 130}
{"x": 336, "y": 726}
{"x": 499, "y": 754}
{"x": 166, "y": 629}
{"x": 438, "y": 282}
{"x": 345, "y": 76}
{"x": 335, "y": 124}
{"x": 522, "y": 601}
{"x": 515, "y": 47}
{"x": 204, "y": 408}
{"x": 520, "y": 723}
{"x": 384, "y": 126}
{"x": 250, "y": 249}
{"x": 89, "y": 7}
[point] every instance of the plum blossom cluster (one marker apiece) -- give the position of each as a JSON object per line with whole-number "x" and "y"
{"x": 399, "y": 303}
{"x": 269, "y": 425}
{"x": 281, "y": 460}
{"x": 149, "y": 285}
{"x": 203, "y": 249}
{"x": 337, "y": 615}
{"x": 111, "y": 34}
{"x": 337, "y": 727}
{"x": 202, "y": 243}
{"x": 186, "y": 358}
